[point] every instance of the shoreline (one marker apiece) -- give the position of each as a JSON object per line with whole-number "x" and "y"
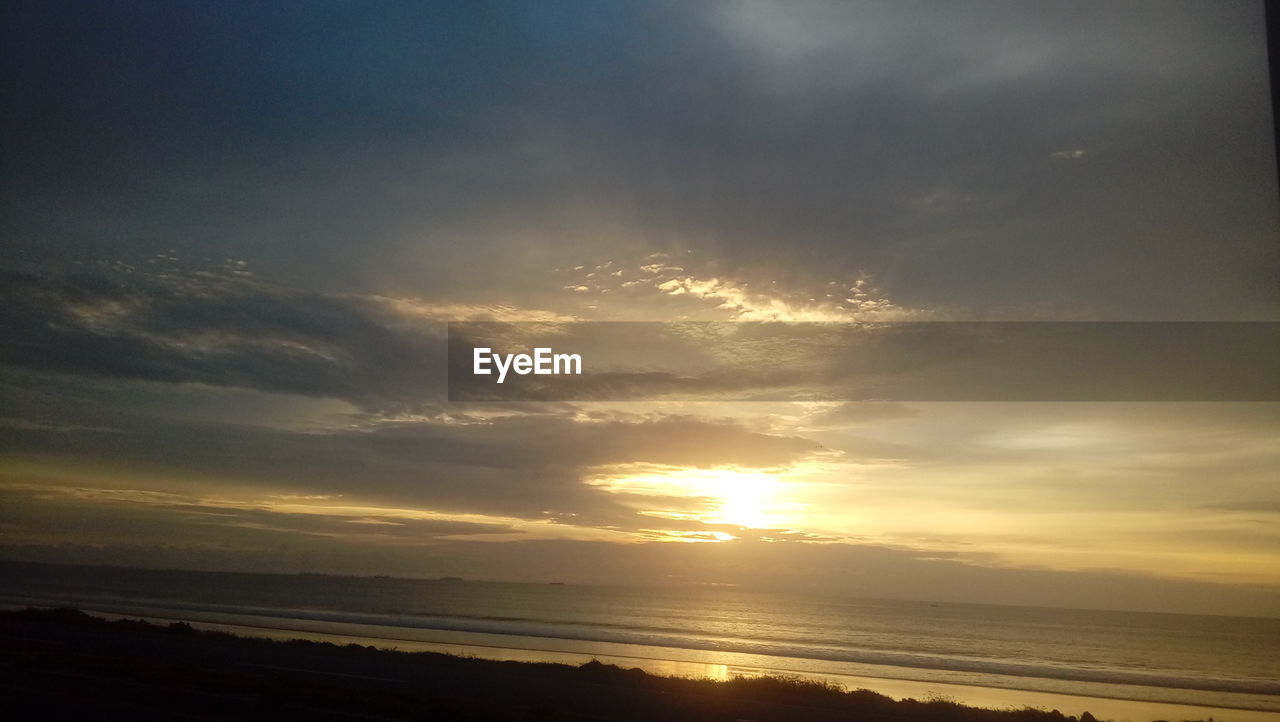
{"x": 71, "y": 663}
{"x": 464, "y": 645}
{"x": 363, "y": 625}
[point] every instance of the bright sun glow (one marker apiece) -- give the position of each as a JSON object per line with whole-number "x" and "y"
{"x": 732, "y": 496}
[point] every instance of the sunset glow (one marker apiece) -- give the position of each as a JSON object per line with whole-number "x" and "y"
{"x": 750, "y": 499}
{"x": 771, "y": 251}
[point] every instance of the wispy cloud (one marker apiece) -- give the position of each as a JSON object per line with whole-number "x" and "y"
{"x": 1072, "y": 154}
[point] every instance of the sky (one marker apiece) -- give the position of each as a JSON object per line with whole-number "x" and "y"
{"x": 232, "y": 236}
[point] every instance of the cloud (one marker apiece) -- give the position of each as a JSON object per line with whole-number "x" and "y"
{"x": 856, "y": 413}
{"x": 743, "y": 305}
{"x": 644, "y": 290}
{"x": 101, "y": 516}
{"x": 1265, "y": 506}
{"x": 377, "y": 352}
{"x": 1073, "y": 154}
{"x": 525, "y": 466}
{"x": 796, "y": 148}
{"x": 718, "y": 161}
{"x": 910, "y": 361}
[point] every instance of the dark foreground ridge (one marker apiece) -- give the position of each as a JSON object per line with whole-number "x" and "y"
{"x": 65, "y": 664}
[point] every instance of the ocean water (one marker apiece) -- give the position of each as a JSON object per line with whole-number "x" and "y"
{"x": 1227, "y": 663}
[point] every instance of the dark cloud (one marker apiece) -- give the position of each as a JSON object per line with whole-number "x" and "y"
{"x": 388, "y": 147}
{"x": 222, "y": 331}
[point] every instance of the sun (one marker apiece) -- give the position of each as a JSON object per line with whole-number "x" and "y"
{"x": 746, "y": 498}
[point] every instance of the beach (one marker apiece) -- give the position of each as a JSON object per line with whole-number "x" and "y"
{"x": 656, "y": 361}
{"x": 687, "y": 634}
{"x": 66, "y": 664}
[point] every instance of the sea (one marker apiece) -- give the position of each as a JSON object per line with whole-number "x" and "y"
{"x": 1116, "y": 665}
